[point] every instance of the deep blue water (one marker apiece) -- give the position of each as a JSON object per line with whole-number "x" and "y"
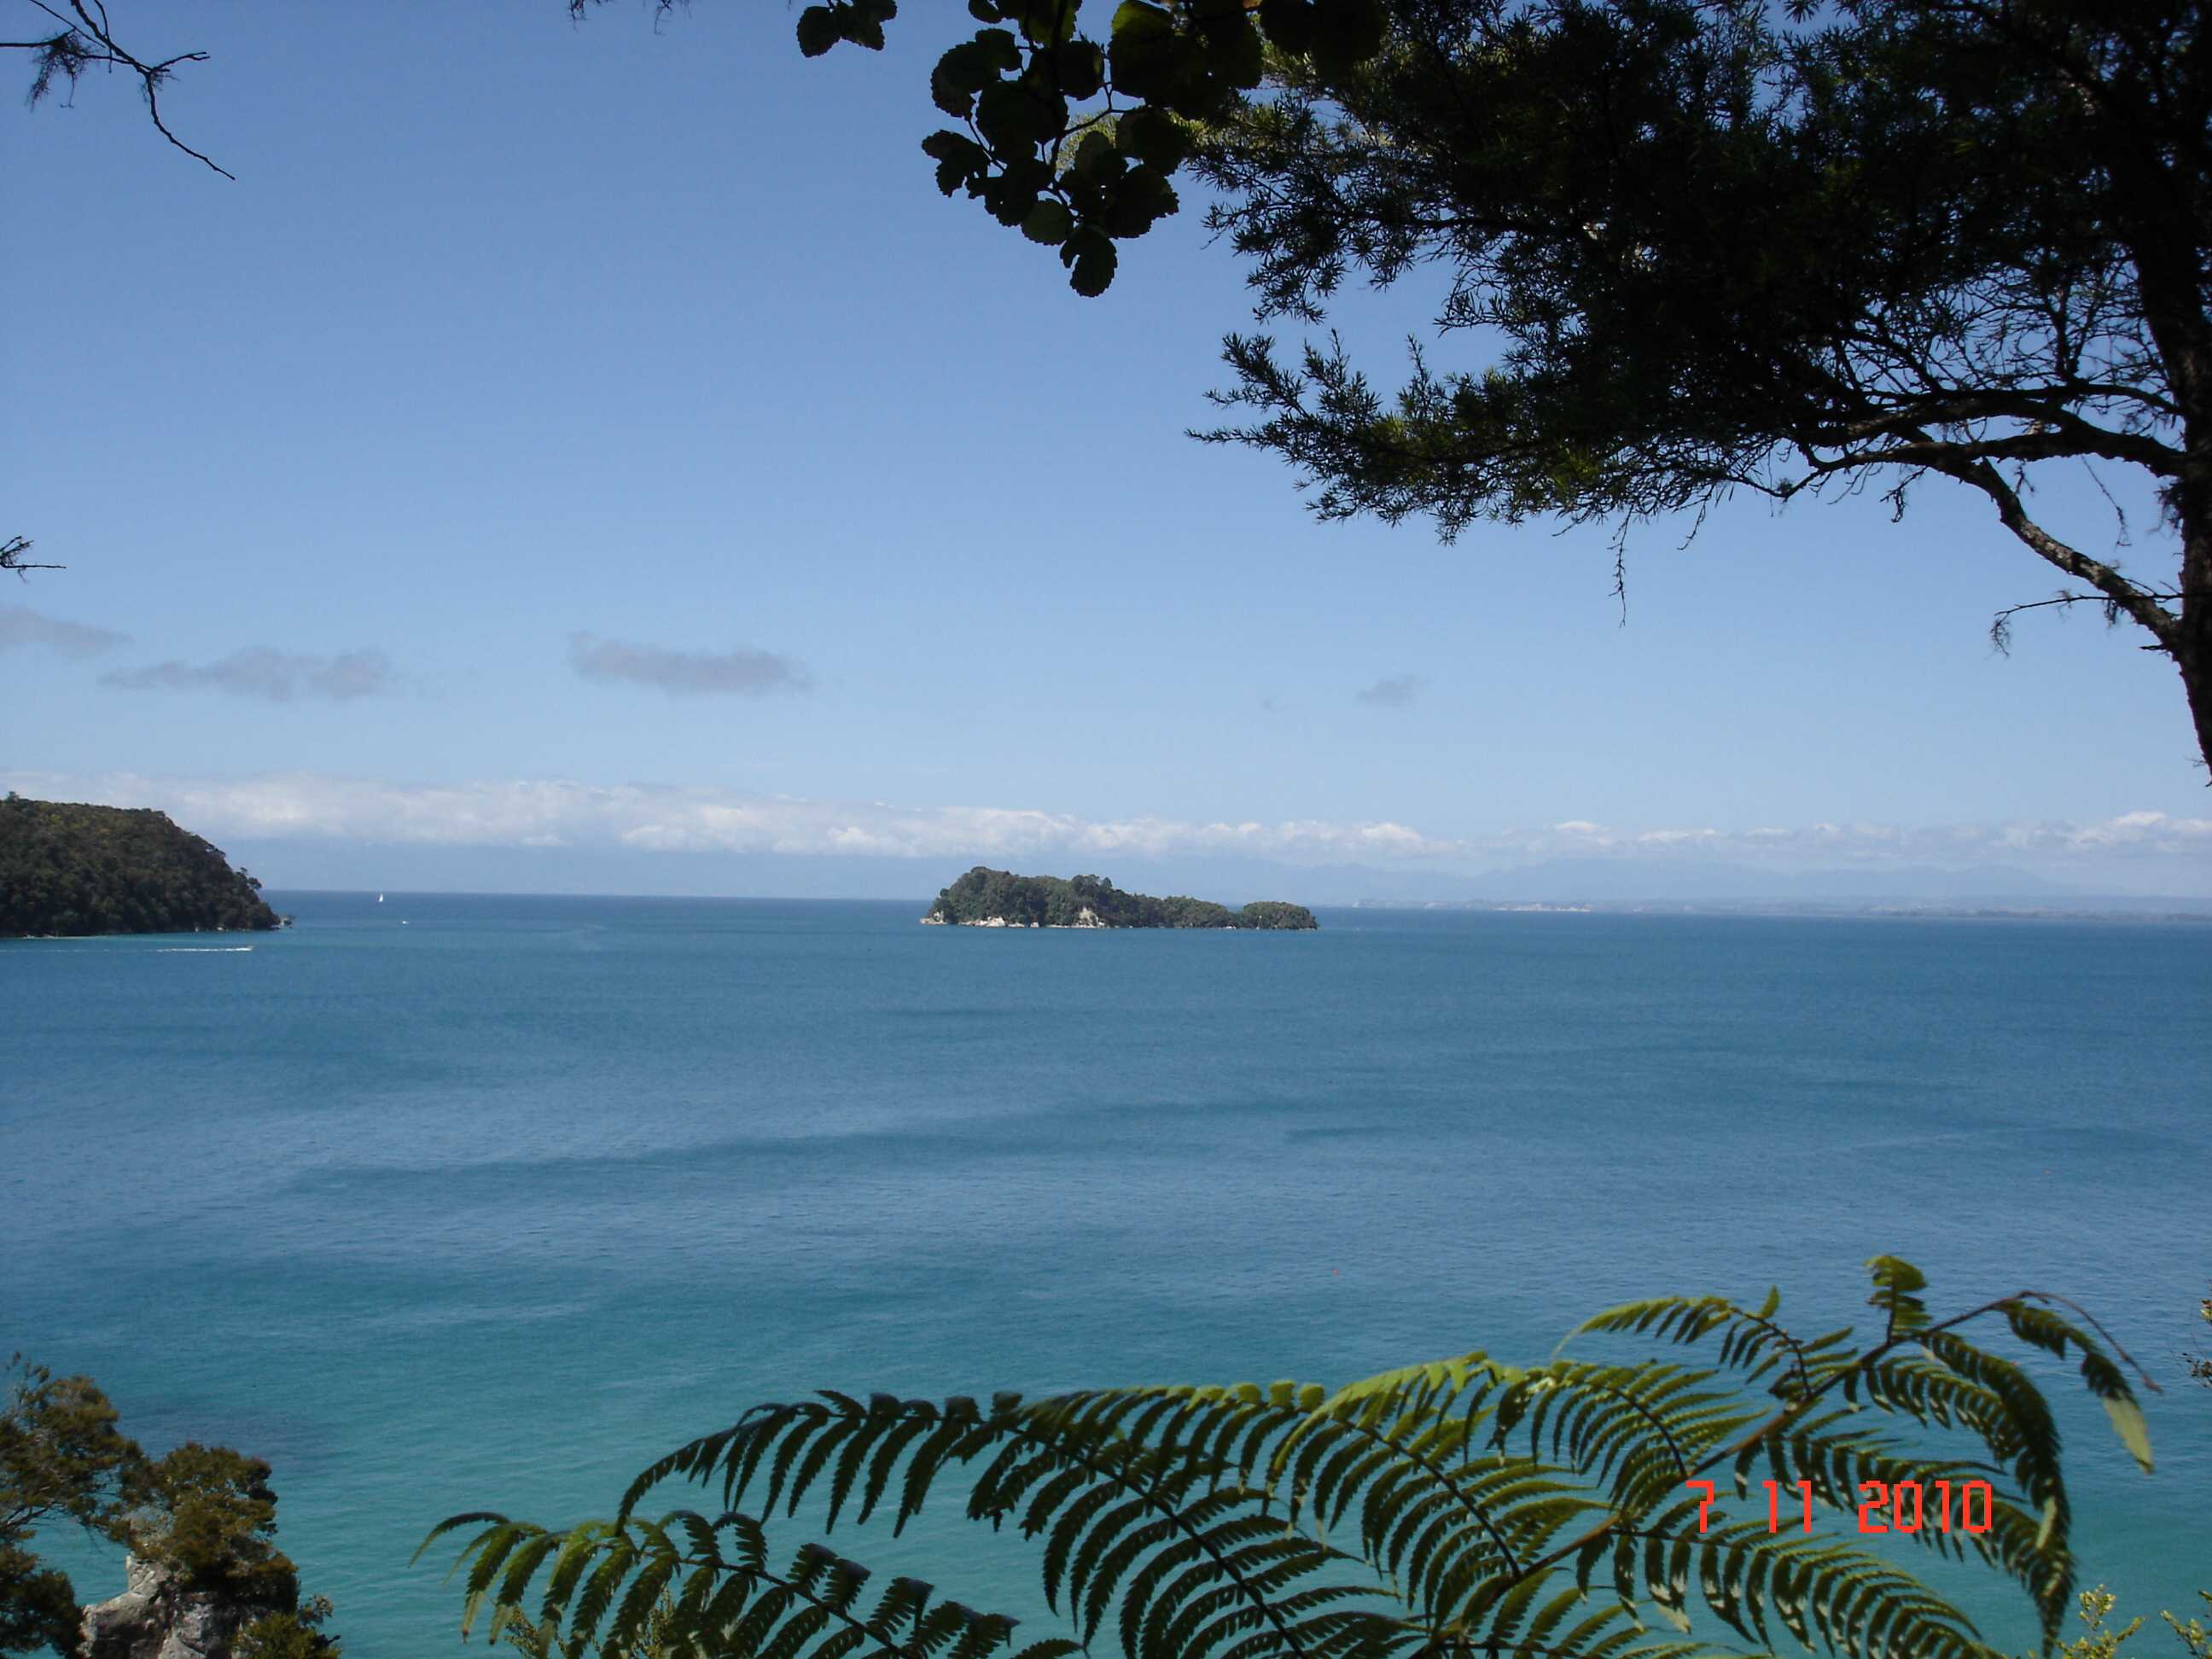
{"x": 489, "y": 1209}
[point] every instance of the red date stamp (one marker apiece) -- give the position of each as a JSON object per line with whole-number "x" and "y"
{"x": 1904, "y": 1506}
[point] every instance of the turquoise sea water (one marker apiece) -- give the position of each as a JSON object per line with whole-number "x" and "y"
{"x": 489, "y": 1209}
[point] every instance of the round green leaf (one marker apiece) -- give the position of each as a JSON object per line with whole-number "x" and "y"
{"x": 1001, "y": 52}
{"x": 1154, "y": 137}
{"x": 819, "y": 30}
{"x": 1046, "y": 22}
{"x": 1236, "y": 54}
{"x": 1082, "y": 67}
{"x": 1289, "y": 23}
{"x": 1048, "y": 222}
{"x": 960, "y": 74}
{"x": 1144, "y": 53}
{"x": 1009, "y": 118}
{"x": 1095, "y": 158}
{"x": 1139, "y": 200}
{"x": 1092, "y": 268}
{"x": 1347, "y": 33}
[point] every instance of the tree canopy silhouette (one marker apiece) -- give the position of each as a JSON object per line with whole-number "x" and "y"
{"x": 1692, "y": 246}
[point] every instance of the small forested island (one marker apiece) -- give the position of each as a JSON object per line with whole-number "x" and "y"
{"x": 999, "y": 898}
{"x": 68, "y": 870}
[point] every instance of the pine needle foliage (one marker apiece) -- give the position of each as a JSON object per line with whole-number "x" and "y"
{"x": 1571, "y": 1509}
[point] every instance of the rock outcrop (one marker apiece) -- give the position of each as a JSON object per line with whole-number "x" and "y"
{"x": 157, "y": 1618}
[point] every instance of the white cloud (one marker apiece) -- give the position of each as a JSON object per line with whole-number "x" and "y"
{"x": 270, "y": 675}
{"x": 21, "y": 626}
{"x": 743, "y": 673}
{"x": 555, "y": 813}
{"x": 528, "y": 811}
{"x": 1394, "y": 692}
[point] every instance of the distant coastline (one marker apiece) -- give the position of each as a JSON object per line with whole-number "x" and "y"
{"x": 2111, "y": 909}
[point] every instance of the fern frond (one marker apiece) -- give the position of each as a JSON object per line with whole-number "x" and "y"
{"x": 1839, "y": 1466}
{"x": 1855, "y": 1602}
{"x": 1897, "y": 1285}
{"x": 673, "y": 1587}
{"x": 1483, "y": 1509}
{"x": 1752, "y": 1340}
{"x": 2103, "y": 1378}
{"x": 1640, "y": 1429}
{"x": 2025, "y": 1434}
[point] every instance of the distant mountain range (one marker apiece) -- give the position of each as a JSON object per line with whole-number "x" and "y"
{"x": 1613, "y": 883}
{"x": 361, "y": 865}
{"x": 1616, "y": 879}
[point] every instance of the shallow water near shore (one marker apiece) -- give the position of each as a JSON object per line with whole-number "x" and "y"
{"x": 489, "y": 1210}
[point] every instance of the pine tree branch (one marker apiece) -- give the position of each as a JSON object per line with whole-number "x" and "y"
{"x": 2141, "y": 603}
{"x": 11, "y": 556}
{"x": 85, "y": 41}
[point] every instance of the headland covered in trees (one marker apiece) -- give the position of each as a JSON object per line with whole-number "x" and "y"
{"x": 71, "y": 870}
{"x": 999, "y": 898}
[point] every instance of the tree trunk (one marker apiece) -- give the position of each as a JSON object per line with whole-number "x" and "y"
{"x": 2190, "y": 504}
{"x": 2192, "y": 640}
{"x": 2196, "y": 677}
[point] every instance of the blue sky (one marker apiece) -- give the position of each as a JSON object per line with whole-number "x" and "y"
{"x": 606, "y": 437}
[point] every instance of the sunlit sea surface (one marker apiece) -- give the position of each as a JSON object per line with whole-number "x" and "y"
{"x": 453, "y": 1202}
